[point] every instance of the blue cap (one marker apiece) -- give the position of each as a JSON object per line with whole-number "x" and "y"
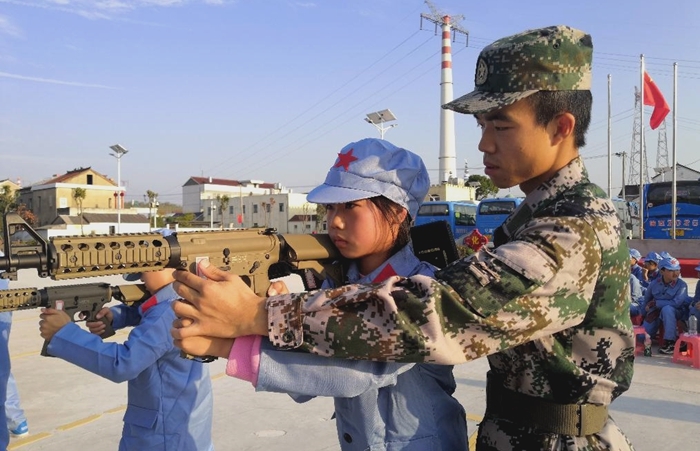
{"x": 137, "y": 276}
{"x": 665, "y": 254}
{"x": 652, "y": 257}
{"x": 374, "y": 167}
{"x": 634, "y": 253}
{"x": 697, "y": 268}
{"x": 670, "y": 263}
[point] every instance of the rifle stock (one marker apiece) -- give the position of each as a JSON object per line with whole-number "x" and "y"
{"x": 86, "y": 299}
{"x": 255, "y": 255}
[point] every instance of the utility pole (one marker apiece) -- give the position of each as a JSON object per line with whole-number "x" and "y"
{"x": 639, "y": 149}
{"x": 450, "y": 28}
{"x": 622, "y": 156}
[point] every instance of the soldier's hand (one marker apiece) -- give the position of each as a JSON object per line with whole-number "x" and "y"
{"x": 219, "y": 305}
{"x": 52, "y": 321}
{"x": 98, "y": 327}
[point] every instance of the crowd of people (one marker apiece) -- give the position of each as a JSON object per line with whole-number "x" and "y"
{"x": 659, "y": 297}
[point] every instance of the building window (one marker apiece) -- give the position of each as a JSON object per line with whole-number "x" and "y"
{"x": 296, "y": 226}
{"x": 267, "y": 208}
{"x": 230, "y": 209}
{"x": 208, "y": 211}
{"x": 255, "y": 224}
{"x": 255, "y": 208}
{"x": 89, "y": 179}
{"x": 308, "y": 226}
{"x": 244, "y": 209}
{"x": 281, "y": 207}
{"x": 62, "y": 202}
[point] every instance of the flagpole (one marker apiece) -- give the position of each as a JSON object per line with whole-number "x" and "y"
{"x": 610, "y": 137}
{"x": 674, "y": 161}
{"x": 642, "y": 150}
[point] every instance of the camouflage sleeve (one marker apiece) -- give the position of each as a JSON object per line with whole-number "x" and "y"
{"x": 534, "y": 286}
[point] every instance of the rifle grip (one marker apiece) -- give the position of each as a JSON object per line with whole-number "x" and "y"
{"x": 45, "y": 349}
{"x": 109, "y": 330}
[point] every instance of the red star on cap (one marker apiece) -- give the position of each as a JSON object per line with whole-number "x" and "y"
{"x": 344, "y": 159}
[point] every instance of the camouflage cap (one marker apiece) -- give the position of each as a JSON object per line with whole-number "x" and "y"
{"x": 554, "y": 58}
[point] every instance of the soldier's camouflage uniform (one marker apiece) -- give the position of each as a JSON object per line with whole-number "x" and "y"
{"x": 549, "y": 306}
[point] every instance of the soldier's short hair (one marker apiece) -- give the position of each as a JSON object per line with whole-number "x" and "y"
{"x": 548, "y": 104}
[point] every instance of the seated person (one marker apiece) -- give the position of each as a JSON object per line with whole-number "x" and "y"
{"x": 665, "y": 301}
{"x": 636, "y": 297}
{"x": 651, "y": 268}
{"x": 637, "y": 271}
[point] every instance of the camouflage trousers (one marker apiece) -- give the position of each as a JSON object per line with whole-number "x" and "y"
{"x": 496, "y": 434}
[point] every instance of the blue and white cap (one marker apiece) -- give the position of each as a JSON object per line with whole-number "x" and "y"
{"x": 670, "y": 264}
{"x": 137, "y": 276}
{"x": 634, "y": 253}
{"x": 374, "y": 167}
{"x": 653, "y": 257}
{"x": 665, "y": 254}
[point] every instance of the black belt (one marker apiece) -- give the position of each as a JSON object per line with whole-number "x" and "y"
{"x": 565, "y": 419}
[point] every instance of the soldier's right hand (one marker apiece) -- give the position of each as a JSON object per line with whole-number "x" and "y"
{"x": 98, "y": 327}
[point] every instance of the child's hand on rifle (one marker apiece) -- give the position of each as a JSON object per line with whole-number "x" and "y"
{"x": 98, "y": 327}
{"x": 52, "y": 321}
{"x": 201, "y": 345}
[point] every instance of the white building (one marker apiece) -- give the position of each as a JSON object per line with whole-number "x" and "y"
{"x": 251, "y": 203}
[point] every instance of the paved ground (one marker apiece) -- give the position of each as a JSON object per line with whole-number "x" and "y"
{"x": 71, "y": 409}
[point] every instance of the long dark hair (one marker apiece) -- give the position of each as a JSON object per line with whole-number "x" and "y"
{"x": 390, "y": 211}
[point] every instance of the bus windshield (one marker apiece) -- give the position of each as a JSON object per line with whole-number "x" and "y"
{"x": 460, "y": 215}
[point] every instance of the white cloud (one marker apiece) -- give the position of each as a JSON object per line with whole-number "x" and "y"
{"x": 56, "y": 82}
{"x": 8, "y": 28}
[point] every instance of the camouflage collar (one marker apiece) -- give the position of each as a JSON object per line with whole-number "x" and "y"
{"x": 570, "y": 175}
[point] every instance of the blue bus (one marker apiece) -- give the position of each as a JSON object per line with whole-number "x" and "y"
{"x": 493, "y": 211}
{"x": 657, "y": 211}
{"x": 460, "y": 215}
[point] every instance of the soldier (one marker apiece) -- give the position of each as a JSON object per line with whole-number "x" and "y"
{"x": 549, "y": 305}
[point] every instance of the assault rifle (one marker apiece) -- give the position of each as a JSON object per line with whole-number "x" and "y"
{"x": 256, "y": 255}
{"x": 86, "y": 299}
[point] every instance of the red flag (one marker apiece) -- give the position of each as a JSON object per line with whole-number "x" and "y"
{"x": 239, "y": 219}
{"x": 653, "y": 97}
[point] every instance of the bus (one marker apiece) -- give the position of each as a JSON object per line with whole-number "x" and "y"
{"x": 657, "y": 211}
{"x": 460, "y": 215}
{"x": 493, "y": 211}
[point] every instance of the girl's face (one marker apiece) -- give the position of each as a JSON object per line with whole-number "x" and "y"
{"x": 360, "y": 232}
{"x": 650, "y": 265}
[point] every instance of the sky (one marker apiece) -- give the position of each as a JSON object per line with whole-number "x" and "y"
{"x": 272, "y": 89}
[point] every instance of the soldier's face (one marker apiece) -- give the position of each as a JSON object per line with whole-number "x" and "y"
{"x": 517, "y": 150}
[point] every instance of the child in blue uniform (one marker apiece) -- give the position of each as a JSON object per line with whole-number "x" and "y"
{"x": 169, "y": 397}
{"x": 664, "y": 301}
{"x": 372, "y": 193}
{"x": 651, "y": 268}
{"x": 4, "y": 371}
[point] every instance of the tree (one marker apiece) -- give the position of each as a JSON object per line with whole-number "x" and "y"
{"x": 8, "y": 199}
{"x": 152, "y": 204}
{"x": 320, "y": 214}
{"x": 78, "y": 195}
{"x": 486, "y": 186}
{"x": 223, "y": 201}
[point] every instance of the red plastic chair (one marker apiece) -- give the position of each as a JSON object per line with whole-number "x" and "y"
{"x": 692, "y": 355}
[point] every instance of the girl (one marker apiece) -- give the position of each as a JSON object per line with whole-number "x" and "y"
{"x": 372, "y": 194}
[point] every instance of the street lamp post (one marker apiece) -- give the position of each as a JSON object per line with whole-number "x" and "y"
{"x": 378, "y": 119}
{"x": 119, "y": 152}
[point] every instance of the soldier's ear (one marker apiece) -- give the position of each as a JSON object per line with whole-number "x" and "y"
{"x": 561, "y": 127}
